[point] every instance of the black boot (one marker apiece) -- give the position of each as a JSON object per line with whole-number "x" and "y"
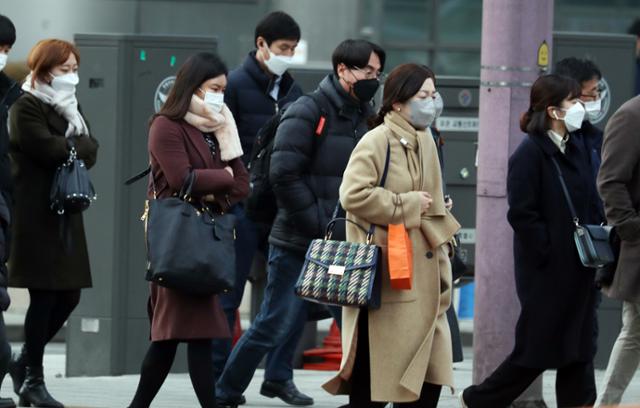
{"x": 33, "y": 391}
{"x": 17, "y": 369}
{"x": 7, "y": 403}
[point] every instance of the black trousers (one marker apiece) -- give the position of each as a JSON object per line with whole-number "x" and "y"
{"x": 575, "y": 386}
{"x": 47, "y": 312}
{"x": 360, "y": 394}
{"x": 5, "y": 349}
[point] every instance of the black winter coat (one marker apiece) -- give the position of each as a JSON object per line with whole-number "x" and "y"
{"x": 591, "y": 136}
{"x": 247, "y": 96}
{"x": 556, "y": 292}
{"x": 306, "y": 169}
{"x": 37, "y": 147}
{"x": 10, "y": 91}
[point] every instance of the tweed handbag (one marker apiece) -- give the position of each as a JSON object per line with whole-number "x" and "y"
{"x": 340, "y": 272}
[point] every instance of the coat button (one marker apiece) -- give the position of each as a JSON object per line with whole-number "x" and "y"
{"x": 429, "y": 255}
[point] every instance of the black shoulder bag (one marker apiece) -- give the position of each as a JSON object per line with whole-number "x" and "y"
{"x": 592, "y": 241}
{"x": 189, "y": 249}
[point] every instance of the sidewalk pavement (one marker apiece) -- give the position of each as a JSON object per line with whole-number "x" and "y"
{"x": 176, "y": 392}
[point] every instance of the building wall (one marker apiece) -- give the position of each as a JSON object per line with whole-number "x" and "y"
{"x": 39, "y": 19}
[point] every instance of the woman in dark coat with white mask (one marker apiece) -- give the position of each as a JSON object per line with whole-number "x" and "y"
{"x": 194, "y": 133}
{"x": 555, "y": 327}
{"x": 49, "y": 251}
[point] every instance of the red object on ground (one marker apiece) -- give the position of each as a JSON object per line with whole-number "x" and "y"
{"x": 237, "y": 329}
{"x": 327, "y": 357}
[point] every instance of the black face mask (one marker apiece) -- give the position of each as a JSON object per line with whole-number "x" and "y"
{"x": 365, "y": 89}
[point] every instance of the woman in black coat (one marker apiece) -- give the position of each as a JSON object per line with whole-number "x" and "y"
{"x": 49, "y": 252}
{"x": 555, "y": 327}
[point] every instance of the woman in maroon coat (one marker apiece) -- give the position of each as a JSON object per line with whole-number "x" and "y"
{"x": 194, "y": 131}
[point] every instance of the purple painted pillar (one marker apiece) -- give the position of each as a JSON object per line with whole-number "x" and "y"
{"x": 512, "y": 33}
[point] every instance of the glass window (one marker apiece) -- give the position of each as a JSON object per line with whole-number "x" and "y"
{"x": 406, "y": 21}
{"x": 462, "y": 63}
{"x": 596, "y": 16}
{"x": 459, "y": 21}
{"x": 396, "y": 57}
{"x": 425, "y": 31}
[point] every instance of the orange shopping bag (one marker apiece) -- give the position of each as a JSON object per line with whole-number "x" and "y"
{"x": 400, "y": 254}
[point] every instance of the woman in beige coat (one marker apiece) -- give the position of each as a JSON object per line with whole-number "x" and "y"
{"x": 401, "y": 352}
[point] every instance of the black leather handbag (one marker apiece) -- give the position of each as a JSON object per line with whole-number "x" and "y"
{"x": 71, "y": 190}
{"x": 189, "y": 248}
{"x": 593, "y": 242}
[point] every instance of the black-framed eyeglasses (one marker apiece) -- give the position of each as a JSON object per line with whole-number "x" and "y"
{"x": 370, "y": 73}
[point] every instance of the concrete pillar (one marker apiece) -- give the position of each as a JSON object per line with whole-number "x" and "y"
{"x": 512, "y": 33}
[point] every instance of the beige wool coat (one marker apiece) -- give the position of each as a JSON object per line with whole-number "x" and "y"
{"x": 409, "y": 338}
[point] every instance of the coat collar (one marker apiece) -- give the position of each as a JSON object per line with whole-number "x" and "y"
{"x": 346, "y": 105}
{"x": 545, "y": 143}
{"x": 265, "y": 81}
{"x": 194, "y": 136}
{"x": 573, "y": 153}
{"x": 54, "y": 120}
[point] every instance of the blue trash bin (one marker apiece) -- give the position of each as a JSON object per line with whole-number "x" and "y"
{"x": 465, "y": 305}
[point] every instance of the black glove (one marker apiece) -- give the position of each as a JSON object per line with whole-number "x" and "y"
{"x": 5, "y": 300}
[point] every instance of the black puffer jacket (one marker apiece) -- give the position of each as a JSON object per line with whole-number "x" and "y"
{"x": 306, "y": 170}
{"x": 10, "y": 91}
{"x": 247, "y": 96}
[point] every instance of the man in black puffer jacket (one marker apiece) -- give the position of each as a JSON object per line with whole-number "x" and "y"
{"x": 308, "y": 159}
{"x": 255, "y": 91}
{"x": 9, "y": 92}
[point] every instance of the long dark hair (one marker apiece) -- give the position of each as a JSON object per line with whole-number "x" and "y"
{"x": 195, "y": 70}
{"x": 548, "y": 90}
{"x": 401, "y": 85}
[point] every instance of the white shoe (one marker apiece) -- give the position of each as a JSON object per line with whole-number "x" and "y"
{"x": 461, "y": 398}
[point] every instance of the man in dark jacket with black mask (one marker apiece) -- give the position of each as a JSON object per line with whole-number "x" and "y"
{"x": 255, "y": 91}
{"x": 312, "y": 147}
{"x": 9, "y": 93}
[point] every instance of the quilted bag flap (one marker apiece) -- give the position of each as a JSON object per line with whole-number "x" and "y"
{"x": 341, "y": 255}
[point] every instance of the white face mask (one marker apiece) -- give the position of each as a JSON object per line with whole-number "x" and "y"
{"x": 213, "y": 100}
{"x": 3, "y": 60}
{"x": 573, "y": 117}
{"x": 278, "y": 64}
{"x": 66, "y": 82}
{"x": 423, "y": 112}
{"x": 593, "y": 109}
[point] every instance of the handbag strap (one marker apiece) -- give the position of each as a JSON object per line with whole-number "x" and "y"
{"x": 185, "y": 191}
{"x": 138, "y": 176}
{"x": 383, "y": 180}
{"x": 372, "y": 228}
{"x": 187, "y": 186}
{"x": 576, "y": 220}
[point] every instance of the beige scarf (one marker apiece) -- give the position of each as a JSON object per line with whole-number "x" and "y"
{"x": 421, "y": 150}
{"x": 437, "y": 225}
{"x": 220, "y": 124}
